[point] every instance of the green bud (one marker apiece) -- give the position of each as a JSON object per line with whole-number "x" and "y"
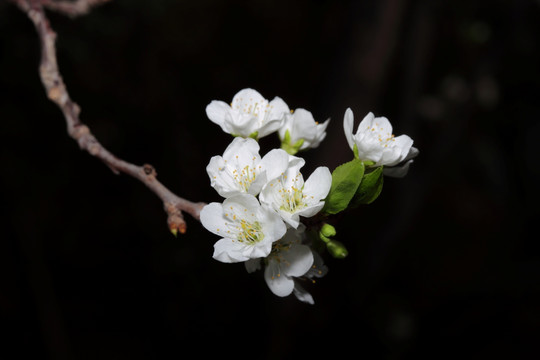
{"x": 337, "y": 249}
{"x": 328, "y": 230}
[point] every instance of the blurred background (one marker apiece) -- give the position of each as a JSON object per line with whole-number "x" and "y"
{"x": 444, "y": 264}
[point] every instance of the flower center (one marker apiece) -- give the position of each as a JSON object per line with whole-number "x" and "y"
{"x": 243, "y": 230}
{"x": 384, "y": 139}
{"x": 242, "y": 175}
{"x": 292, "y": 199}
{"x": 245, "y": 177}
{"x": 252, "y": 108}
{"x": 249, "y": 233}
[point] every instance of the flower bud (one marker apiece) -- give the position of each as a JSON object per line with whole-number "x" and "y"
{"x": 337, "y": 249}
{"x": 328, "y": 230}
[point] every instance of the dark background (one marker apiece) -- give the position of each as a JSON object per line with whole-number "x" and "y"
{"x": 445, "y": 264}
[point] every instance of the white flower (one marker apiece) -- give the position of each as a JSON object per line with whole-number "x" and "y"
{"x": 375, "y": 140}
{"x": 241, "y": 169}
{"x": 291, "y": 197}
{"x": 317, "y": 270}
{"x": 300, "y": 131}
{"x": 288, "y": 259}
{"x": 248, "y": 115}
{"x": 248, "y": 229}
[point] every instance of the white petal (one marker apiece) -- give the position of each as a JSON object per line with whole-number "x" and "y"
{"x": 274, "y": 163}
{"x": 304, "y": 126}
{"x": 279, "y": 284}
{"x": 218, "y": 112}
{"x": 318, "y": 184}
{"x": 244, "y": 148}
{"x": 259, "y": 250}
{"x": 311, "y": 210}
{"x": 293, "y": 236}
{"x": 367, "y": 124}
{"x": 319, "y": 137}
{"x": 318, "y": 269}
{"x": 240, "y": 202}
{"x": 348, "y": 123}
{"x": 298, "y": 259}
{"x": 382, "y": 125}
{"x": 413, "y": 152}
{"x": 278, "y": 108}
{"x": 220, "y": 178}
{"x": 212, "y": 218}
{"x": 273, "y": 226}
{"x": 390, "y": 156}
{"x": 397, "y": 171}
{"x": 227, "y": 251}
{"x": 404, "y": 143}
{"x": 246, "y": 97}
{"x": 302, "y": 294}
{"x": 274, "y": 119}
{"x": 291, "y": 219}
{"x": 269, "y": 127}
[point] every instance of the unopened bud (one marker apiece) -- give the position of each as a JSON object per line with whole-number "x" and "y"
{"x": 337, "y": 249}
{"x": 328, "y": 230}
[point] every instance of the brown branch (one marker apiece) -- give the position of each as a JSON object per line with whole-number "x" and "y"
{"x": 57, "y": 92}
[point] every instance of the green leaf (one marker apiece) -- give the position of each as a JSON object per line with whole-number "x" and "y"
{"x": 345, "y": 181}
{"x": 370, "y": 188}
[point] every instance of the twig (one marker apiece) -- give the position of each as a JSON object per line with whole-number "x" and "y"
{"x": 72, "y": 8}
{"x": 57, "y": 92}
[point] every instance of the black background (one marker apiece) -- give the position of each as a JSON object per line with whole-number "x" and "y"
{"x": 445, "y": 264}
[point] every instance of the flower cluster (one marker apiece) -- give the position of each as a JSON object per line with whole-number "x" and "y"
{"x": 262, "y": 220}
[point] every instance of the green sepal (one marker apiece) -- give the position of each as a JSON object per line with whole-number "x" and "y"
{"x": 370, "y": 188}
{"x": 254, "y": 135}
{"x": 368, "y": 163}
{"x": 355, "y": 152}
{"x": 346, "y": 179}
{"x": 286, "y": 145}
{"x": 287, "y": 138}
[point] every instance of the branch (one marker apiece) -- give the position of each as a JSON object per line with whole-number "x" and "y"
{"x": 72, "y": 8}
{"x": 57, "y": 93}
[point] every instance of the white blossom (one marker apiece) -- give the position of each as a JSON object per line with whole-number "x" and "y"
{"x": 289, "y": 259}
{"x": 248, "y": 229}
{"x": 248, "y": 115}
{"x": 300, "y": 131}
{"x": 375, "y": 141}
{"x": 291, "y": 197}
{"x": 241, "y": 169}
{"x": 317, "y": 270}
